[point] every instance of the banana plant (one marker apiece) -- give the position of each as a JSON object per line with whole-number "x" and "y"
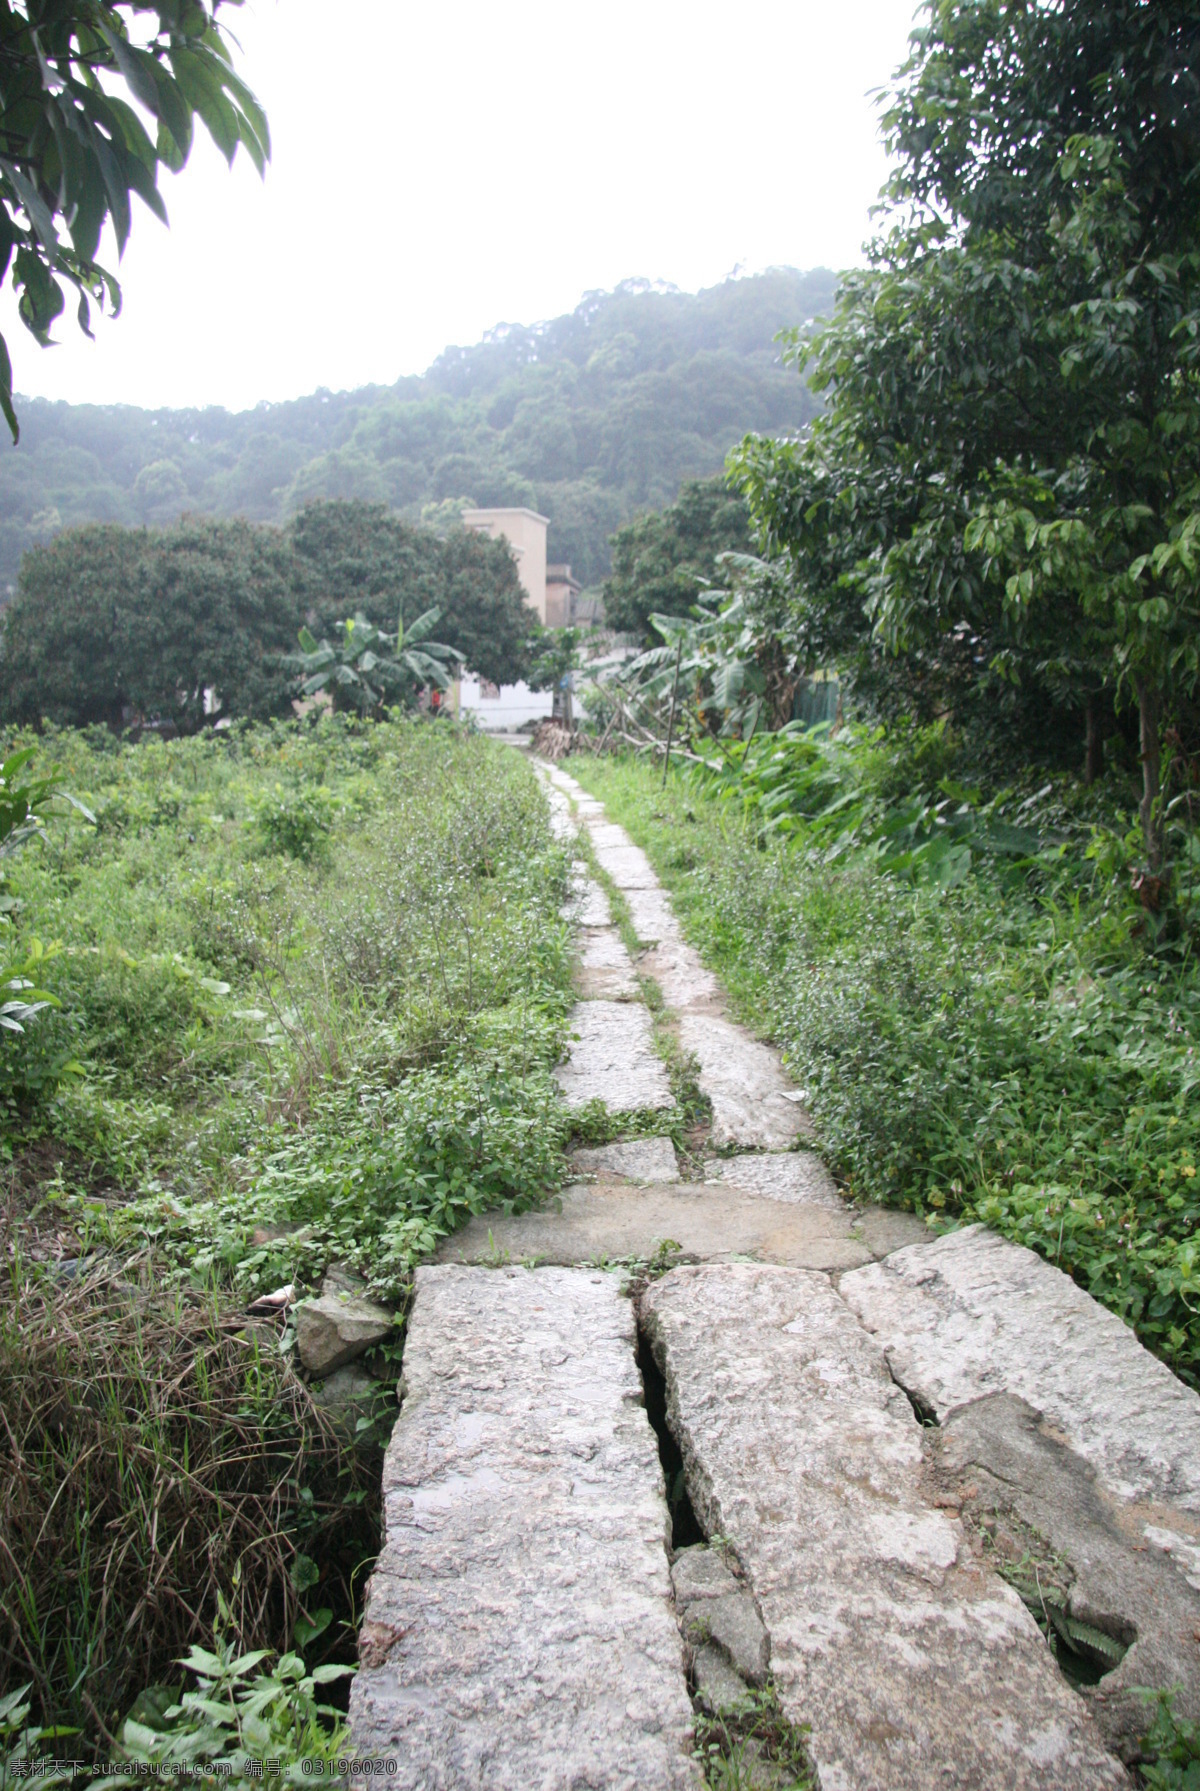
{"x": 368, "y": 667}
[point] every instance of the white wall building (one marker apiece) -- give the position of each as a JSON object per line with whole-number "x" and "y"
{"x": 508, "y": 706}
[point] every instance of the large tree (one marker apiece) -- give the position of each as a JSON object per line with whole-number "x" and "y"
{"x": 74, "y": 151}
{"x": 664, "y": 561}
{"x": 362, "y": 558}
{"x": 109, "y": 624}
{"x": 1012, "y": 446}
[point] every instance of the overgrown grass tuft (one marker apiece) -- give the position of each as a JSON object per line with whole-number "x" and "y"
{"x": 157, "y": 1452}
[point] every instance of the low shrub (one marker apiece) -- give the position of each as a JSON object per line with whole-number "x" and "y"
{"x": 1018, "y": 1044}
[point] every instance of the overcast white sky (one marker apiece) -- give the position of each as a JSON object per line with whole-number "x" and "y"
{"x": 442, "y": 168}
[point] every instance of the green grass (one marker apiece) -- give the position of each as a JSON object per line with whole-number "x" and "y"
{"x": 1022, "y": 1047}
{"x": 313, "y": 982}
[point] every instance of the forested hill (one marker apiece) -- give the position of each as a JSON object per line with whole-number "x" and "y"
{"x": 588, "y": 418}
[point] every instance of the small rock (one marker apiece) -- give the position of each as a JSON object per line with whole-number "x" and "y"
{"x": 347, "y": 1395}
{"x": 699, "y": 1572}
{"x": 336, "y": 1328}
{"x": 734, "y": 1625}
{"x": 717, "y": 1609}
{"x": 273, "y": 1302}
{"x": 338, "y": 1279}
{"x": 717, "y": 1685}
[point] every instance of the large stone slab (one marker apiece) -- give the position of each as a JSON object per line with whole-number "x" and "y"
{"x": 753, "y": 1102}
{"x": 607, "y": 834}
{"x": 628, "y": 867}
{"x": 593, "y": 909}
{"x": 636, "y": 1160}
{"x": 972, "y": 1314}
{"x": 519, "y": 1630}
{"x": 797, "y": 1175}
{"x": 996, "y": 1457}
{"x": 682, "y": 978}
{"x": 916, "y": 1673}
{"x": 652, "y": 915}
{"x": 612, "y": 1059}
{"x": 708, "y": 1223}
{"x": 604, "y": 965}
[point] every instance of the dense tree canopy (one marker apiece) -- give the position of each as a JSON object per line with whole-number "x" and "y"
{"x": 362, "y": 558}
{"x": 75, "y": 151}
{"x": 109, "y": 623}
{"x": 663, "y": 561}
{"x": 589, "y": 419}
{"x": 1007, "y": 479}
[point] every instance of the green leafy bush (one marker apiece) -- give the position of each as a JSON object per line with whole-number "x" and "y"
{"x": 1017, "y": 1043}
{"x": 295, "y": 822}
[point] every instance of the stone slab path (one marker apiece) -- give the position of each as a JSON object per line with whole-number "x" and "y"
{"x": 913, "y": 1670}
{"x": 519, "y": 1624}
{"x": 868, "y": 1419}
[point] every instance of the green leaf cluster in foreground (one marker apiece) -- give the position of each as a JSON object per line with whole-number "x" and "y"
{"x": 1018, "y": 1044}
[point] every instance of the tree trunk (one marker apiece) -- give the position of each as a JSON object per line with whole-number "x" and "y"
{"x": 1149, "y": 721}
{"x": 1094, "y": 748}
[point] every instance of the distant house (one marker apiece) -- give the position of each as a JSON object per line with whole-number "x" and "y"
{"x": 511, "y": 705}
{"x": 525, "y": 532}
{"x": 561, "y": 592}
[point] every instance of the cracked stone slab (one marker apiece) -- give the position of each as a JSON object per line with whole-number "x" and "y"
{"x": 519, "y": 1629}
{"x": 612, "y": 1059}
{"x": 752, "y": 1099}
{"x": 707, "y": 1222}
{"x": 916, "y": 1672}
{"x": 997, "y": 1456}
{"x": 797, "y": 1175}
{"x": 604, "y": 965}
{"x": 638, "y": 1160}
{"x": 972, "y": 1314}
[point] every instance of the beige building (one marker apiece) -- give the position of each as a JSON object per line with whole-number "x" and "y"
{"x": 561, "y": 592}
{"x": 525, "y": 532}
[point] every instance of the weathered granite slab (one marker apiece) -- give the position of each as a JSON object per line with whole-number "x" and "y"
{"x": 682, "y": 977}
{"x": 916, "y": 1673}
{"x": 593, "y": 910}
{"x": 798, "y": 1175}
{"x": 708, "y": 1223}
{"x": 628, "y": 867}
{"x": 995, "y": 1457}
{"x": 519, "y": 1628}
{"x": 607, "y": 834}
{"x": 612, "y": 1059}
{"x": 972, "y": 1314}
{"x": 604, "y": 965}
{"x": 638, "y": 1160}
{"x": 652, "y": 916}
{"x": 752, "y": 1102}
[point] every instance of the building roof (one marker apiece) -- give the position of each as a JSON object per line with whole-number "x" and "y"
{"x": 561, "y": 575}
{"x": 504, "y": 510}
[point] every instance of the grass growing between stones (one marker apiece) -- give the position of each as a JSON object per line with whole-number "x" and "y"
{"x": 752, "y": 1747}
{"x": 1021, "y": 1048}
{"x": 687, "y": 1126}
{"x": 313, "y": 982}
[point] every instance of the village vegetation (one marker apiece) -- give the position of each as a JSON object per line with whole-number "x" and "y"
{"x": 905, "y": 709}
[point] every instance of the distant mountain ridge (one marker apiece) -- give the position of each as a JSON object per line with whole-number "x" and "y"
{"x": 589, "y": 418}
